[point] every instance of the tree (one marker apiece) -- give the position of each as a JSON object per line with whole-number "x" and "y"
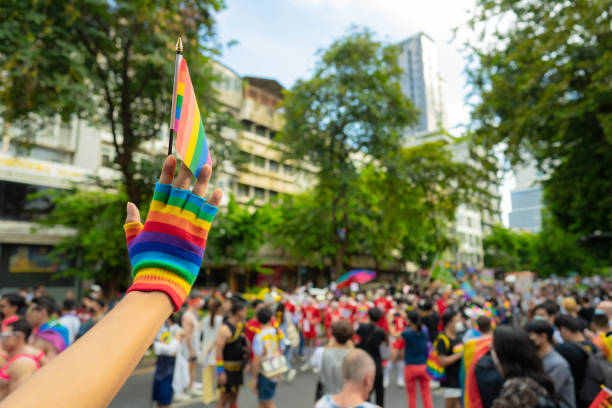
{"x": 241, "y": 231}
{"x": 545, "y": 93}
{"x": 402, "y": 212}
{"x": 109, "y": 62}
{"x": 508, "y": 250}
{"x": 351, "y": 112}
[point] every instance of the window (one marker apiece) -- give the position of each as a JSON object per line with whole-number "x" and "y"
{"x": 259, "y": 161}
{"x": 15, "y": 205}
{"x": 244, "y": 190}
{"x": 260, "y": 193}
{"x": 287, "y": 170}
{"x": 469, "y": 221}
{"x": 272, "y": 135}
{"x": 273, "y": 193}
{"x": 273, "y": 166}
{"x": 247, "y": 125}
{"x": 260, "y": 131}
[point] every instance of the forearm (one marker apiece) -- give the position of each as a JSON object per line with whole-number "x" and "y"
{"x": 92, "y": 370}
{"x": 448, "y": 360}
{"x": 256, "y": 365}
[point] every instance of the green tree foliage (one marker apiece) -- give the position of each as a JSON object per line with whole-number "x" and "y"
{"x": 351, "y": 112}
{"x": 551, "y": 251}
{"x": 401, "y": 212}
{"x": 109, "y": 62}
{"x": 241, "y": 230}
{"x": 545, "y": 92}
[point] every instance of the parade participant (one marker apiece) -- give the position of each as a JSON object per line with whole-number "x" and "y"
{"x": 48, "y": 335}
{"x": 267, "y": 344}
{"x": 232, "y": 347}
{"x": 575, "y": 349}
{"x": 540, "y": 333}
{"x": 548, "y": 311}
{"x": 69, "y": 319}
{"x": 311, "y": 318}
{"x": 526, "y": 384}
{"x": 253, "y": 326}
{"x": 97, "y": 308}
{"x": 291, "y": 338}
{"x": 450, "y": 351}
{"x": 211, "y": 323}
{"x": 358, "y": 371}
{"x": 191, "y": 341}
{"x": 19, "y": 365}
{"x": 166, "y": 346}
{"x": 361, "y": 310}
{"x": 600, "y": 326}
{"x": 371, "y": 338}
{"x": 331, "y": 315}
{"x": 474, "y": 350}
{"x": 328, "y": 360}
{"x": 396, "y": 323}
{"x": 429, "y": 317}
{"x": 415, "y": 356}
{"x": 11, "y": 305}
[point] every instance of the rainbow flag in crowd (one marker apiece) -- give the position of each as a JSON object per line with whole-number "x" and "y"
{"x": 603, "y": 399}
{"x": 191, "y": 141}
{"x": 604, "y": 342}
{"x": 54, "y": 333}
{"x": 473, "y": 351}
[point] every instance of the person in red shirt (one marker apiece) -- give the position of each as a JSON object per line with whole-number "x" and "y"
{"x": 253, "y": 326}
{"x": 397, "y": 323}
{"x": 331, "y": 315}
{"x": 311, "y": 318}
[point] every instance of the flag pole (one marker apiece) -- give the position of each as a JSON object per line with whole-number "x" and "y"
{"x": 177, "y": 63}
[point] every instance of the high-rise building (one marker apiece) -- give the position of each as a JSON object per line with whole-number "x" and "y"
{"x": 422, "y": 84}
{"x": 526, "y": 199}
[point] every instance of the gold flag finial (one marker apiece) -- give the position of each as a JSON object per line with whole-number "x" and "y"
{"x": 179, "y": 45}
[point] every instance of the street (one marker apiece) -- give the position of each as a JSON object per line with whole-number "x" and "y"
{"x": 136, "y": 393}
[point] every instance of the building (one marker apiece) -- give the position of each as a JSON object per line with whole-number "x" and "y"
{"x": 73, "y": 152}
{"x": 421, "y": 83}
{"x": 526, "y": 199}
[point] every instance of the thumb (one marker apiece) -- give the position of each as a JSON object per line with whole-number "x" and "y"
{"x": 133, "y": 215}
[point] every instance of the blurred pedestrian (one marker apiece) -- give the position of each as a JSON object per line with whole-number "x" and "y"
{"x": 450, "y": 351}
{"x": 267, "y": 345}
{"x": 371, "y": 338}
{"x": 11, "y": 306}
{"x": 358, "y": 372}
{"x": 415, "y": 357}
{"x": 211, "y": 323}
{"x": 526, "y": 384}
{"x": 69, "y": 318}
{"x": 166, "y": 346}
{"x": 19, "y": 365}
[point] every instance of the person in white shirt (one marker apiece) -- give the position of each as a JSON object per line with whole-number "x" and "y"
{"x": 69, "y": 319}
{"x": 165, "y": 347}
{"x": 210, "y": 328}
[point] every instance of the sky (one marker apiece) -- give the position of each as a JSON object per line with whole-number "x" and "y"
{"x": 279, "y": 39}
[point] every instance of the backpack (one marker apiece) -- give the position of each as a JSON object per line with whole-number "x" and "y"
{"x": 597, "y": 372}
{"x": 433, "y": 366}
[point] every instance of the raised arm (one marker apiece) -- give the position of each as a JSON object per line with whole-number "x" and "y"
{"x": 90, "y": 372}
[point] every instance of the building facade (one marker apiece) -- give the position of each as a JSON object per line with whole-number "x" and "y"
{"x": 526, "y": 199}
{"x": 421, "y": 83}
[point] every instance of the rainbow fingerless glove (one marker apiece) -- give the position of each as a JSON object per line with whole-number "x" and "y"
{"x": 166, "y": 253}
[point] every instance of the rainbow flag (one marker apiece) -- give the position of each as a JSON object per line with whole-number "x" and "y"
{"x": 603, "y": 399}
{"x": 604, "y": 342}
{"x": 191, "y": 141}
{"x": 473, "y": 351}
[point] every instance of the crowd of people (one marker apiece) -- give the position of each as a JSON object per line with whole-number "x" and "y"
{"x": 481, "y": 351}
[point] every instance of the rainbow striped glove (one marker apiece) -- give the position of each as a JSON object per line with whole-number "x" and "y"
{"x": 166, "y": 253}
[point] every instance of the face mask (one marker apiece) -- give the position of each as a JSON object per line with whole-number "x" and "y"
{"x": 459, "y": 327}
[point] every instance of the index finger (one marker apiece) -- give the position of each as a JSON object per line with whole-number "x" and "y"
{"x": 167, "y": 174}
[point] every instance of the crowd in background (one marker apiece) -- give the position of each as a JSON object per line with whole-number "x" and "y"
{"x": 545, "y": 348}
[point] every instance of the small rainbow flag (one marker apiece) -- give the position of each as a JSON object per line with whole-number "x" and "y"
{"x": 191, "y": 141}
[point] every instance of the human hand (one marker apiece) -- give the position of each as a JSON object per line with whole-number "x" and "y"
{"x": 166, "y": 253}
{"x": 222, "y": 379}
